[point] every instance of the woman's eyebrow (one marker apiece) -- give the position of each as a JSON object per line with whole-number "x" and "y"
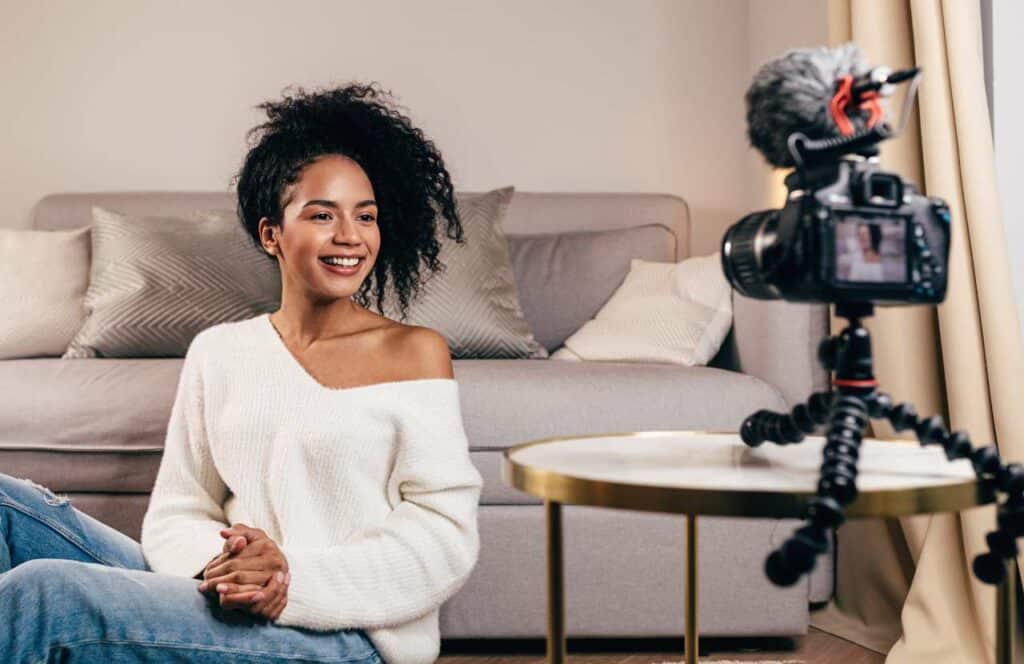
{"x": 331, "y": 204}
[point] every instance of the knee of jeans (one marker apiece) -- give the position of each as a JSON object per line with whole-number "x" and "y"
{"x": 40, "y": 593}
{"x": 42, "y": 574}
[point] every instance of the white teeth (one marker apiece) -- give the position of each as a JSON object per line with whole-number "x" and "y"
{"x": 345, "y": 262}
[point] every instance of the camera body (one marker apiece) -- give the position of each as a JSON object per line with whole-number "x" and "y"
{"x": 848, "y": 232}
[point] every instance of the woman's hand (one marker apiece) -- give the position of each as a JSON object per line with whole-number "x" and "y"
{"x": 251, "y": 574}
{"x": 234, "y": 545}
{"x": 249, "y": 581}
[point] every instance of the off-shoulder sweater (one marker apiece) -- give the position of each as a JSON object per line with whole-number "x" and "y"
{"x": 368, "y": 491}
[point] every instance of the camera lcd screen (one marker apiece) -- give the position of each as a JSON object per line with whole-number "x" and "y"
{"x": 871, "y": 249}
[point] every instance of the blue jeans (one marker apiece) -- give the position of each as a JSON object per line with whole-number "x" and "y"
{"x": 73, "y": 589}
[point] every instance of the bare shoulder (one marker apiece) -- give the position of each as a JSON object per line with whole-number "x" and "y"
{"x": 427, "y": 350}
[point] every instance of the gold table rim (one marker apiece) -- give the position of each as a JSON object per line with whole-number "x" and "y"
{"x": 554, "y": 486}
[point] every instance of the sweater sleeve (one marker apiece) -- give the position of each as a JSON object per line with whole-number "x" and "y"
{"x": 180, "y": 530}
{"x": 420, "y": 554}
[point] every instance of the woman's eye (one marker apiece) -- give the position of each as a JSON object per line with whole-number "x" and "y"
{"x": 327, "y": 215}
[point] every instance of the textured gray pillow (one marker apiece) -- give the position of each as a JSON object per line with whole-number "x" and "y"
{"x": 474, "y": 302}
{"x": 156, "y": 282}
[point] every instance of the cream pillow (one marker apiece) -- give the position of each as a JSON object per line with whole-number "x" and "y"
{"x": 675, "y": 313}
{"x": 43, "y": 279}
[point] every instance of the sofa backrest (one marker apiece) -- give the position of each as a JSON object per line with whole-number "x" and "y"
{"x": 570, "y": 251}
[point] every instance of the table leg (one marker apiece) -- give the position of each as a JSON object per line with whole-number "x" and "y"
{"x": 1006, "y": 614}
{"x": 556, "y": 594}
{"x": 691, "y": 647}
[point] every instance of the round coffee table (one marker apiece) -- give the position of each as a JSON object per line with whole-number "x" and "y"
{"x": 715, "y": 474}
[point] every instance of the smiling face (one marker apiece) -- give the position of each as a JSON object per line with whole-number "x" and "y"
{"x": 329, "y": 211}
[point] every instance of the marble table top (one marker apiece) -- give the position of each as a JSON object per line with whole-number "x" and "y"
{"x": 716, "y": 473}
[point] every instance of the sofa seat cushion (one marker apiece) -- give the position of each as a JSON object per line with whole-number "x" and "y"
{"x": 506, "y": 403}
{"x": 86, "y": 424}
{"x": 99, "y": 424}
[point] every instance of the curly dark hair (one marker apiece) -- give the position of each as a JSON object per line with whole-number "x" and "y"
{"x": 410, "y": 182}
{"x": 875, "y": 232}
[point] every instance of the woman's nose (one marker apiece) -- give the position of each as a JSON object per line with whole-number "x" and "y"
{"x": 346, "y": 227}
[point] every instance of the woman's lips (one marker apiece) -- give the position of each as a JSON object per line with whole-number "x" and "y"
{"x": 344, "y": 271}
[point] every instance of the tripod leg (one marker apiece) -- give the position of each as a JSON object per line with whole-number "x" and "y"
{"x": 782, "y": 428}
{"x": 837, "y": 488}
{"x": 989, "y": 567}
{"x": 1006, "y": 613}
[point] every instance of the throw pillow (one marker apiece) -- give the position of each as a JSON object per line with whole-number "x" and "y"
{"x": 43, "y": 279}
{"x": 474, "y": 302}
{"x": 565, "y": 278}
{"x": 676, "y": 313}
{"x": 156, "y": 282}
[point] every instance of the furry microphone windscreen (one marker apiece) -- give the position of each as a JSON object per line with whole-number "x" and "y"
{"x": 793, "y": 92}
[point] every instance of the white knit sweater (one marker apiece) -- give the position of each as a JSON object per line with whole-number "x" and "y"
{"x": 369, "y": 491}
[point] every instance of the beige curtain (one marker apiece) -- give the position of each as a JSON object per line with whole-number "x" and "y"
{"x": 905, "y": 587}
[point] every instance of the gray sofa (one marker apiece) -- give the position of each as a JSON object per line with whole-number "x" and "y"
{"x": 93, "y": 429}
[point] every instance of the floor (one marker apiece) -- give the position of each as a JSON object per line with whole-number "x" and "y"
{"x": 817, "y": 648}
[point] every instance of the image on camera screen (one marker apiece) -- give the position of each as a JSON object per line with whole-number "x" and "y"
{"x": 870, "y": 249}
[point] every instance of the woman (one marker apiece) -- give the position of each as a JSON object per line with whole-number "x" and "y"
{"x": 867, "y": 266}
{"x": 315, "y": 500}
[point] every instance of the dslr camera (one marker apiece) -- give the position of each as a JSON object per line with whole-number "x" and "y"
{"x": 849, "y": 232}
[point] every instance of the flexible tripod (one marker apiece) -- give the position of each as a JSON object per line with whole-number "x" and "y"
{"x": 846, "y": 411}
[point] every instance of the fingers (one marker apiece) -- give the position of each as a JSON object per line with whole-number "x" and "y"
{"x": 231, "y": 589}
{"x": 276, "y": 605}
{"x": 240, "y": 600}
{"x": 217, "y": 560}
{"x": 234, "y": 544}
{"x": 241, "y": 597}
{"x": 274, "y": 589}
{"x": 231, "y": 547}
{"x": 249, "y": 532}
{"x": 229, "y": 550}
{"x": 237, "y": 564}
{"x": 236, "y": 578}
{"x": 270, "y": 592}
{"x": 230, "y": 534}
{"x": 274, "y": 611}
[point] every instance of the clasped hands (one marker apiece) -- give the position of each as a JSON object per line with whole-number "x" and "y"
{"x": 250, "y": 574}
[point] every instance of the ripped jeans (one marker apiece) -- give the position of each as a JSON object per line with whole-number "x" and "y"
{"x": 73, "y": 590}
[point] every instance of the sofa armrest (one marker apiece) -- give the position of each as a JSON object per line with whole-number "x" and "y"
{"x": 777, "y": 341}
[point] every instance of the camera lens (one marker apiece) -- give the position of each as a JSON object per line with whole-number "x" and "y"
{"x": 743, "y": 249}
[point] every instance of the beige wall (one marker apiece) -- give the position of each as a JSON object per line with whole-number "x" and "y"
{"x": 774, "y": 27}
{"x": 561, "y": 95}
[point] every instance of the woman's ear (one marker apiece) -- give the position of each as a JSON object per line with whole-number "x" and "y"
{"x": 266, "y": 233}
